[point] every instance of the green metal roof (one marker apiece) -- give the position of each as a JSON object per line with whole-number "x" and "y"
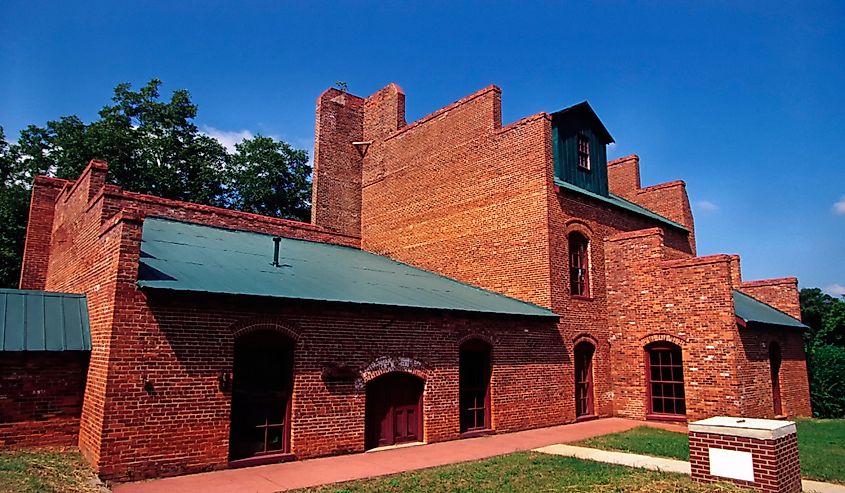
{"x": 621, "y": 203}
{"x": 751, "y": 310}
{"x": 43, "y": 321}
{"x": 192, "y": 257}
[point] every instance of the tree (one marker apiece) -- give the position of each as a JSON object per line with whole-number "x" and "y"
{"x": 13, "y": 211}
{"x": 825, "y": 315}
{"x": 270, "y": 178}
{"x": 825, "y": 347}
{"x": 152, "y": 146}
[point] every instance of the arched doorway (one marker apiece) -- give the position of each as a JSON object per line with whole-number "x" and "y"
{"x": 665, "y": 376}
{"x": 775, "y": 360}
{"x": 393, "y": 410}
{"x": 262, "y": 385}
{"x": 474, "y": 385}
{"x": 583, "y": 354}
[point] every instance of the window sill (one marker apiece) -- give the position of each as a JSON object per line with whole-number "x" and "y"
{"x": 260, "y": 460}
{"x": 666, "y": 417}
{"x": 478, "y": 433}
{"x": 581, "y": 297}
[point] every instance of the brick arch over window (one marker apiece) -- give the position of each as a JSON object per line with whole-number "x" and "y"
{"x": 578, "y": 226}
{"x": 651, "y": 338}
{"x": 274, "y": 324}
{"x": 388, "y": 364}
{"x": 477, "y": 336}
{"x": 585, "y": 336}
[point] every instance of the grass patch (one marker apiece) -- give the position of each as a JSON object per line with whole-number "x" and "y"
{"x": 46, "y": 471}
{"x": 529, "y": 472}
{"x": 821, "y": 446}
{"x": 643, "y": 440}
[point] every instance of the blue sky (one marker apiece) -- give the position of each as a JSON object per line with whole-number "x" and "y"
{"x": 743, "y": 101}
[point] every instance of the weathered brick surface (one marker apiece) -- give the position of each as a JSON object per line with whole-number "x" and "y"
{"x": 41, "y": 397}
{"x": 776, "y": 465}
{"x": 455, "y": 193}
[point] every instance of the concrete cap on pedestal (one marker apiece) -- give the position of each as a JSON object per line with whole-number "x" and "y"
{"x": 762, "y": 429}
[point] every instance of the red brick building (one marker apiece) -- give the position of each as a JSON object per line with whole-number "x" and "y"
{"x": 458, "y": 277}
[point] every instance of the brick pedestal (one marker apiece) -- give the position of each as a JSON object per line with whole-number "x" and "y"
{"x": 755, "y": 453}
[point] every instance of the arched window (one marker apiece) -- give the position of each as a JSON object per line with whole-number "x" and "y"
{"x": 579, "y": 265}
{"x": 774, "y": 365}
{"x": 665, "y": 375}
{"x": 583, "y": 353}
{"x": 474, "y": 385}
{"x": 261, "y": 396}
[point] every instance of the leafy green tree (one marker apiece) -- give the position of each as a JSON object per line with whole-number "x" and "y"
{"x": 825, "y": 346}
{"x": 14, "y": 198}
{"x": 825, "y": 315}
{"x": 270, "y": 178}
{"x": 152, "y": 146}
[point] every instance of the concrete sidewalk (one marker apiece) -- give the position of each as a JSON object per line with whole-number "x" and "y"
{"x": 315, "y": 472}
{"x": 658, "y": 464}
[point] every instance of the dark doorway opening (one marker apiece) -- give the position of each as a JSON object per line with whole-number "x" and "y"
{"x": 584, "y": 352}
{"x": 775, "y": 360}
{"x": 474, "y": 386}
{"x": 393, "y": 410}
{"x": 262, "y": 385}
{"x": 665, "y": 374}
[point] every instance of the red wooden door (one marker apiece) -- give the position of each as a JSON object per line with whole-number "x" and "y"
{"x": 393, "y": 410}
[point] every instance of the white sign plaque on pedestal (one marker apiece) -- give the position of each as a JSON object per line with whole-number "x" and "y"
{"x": 731, "y": 464}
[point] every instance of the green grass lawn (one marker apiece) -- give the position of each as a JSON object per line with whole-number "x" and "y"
{"x": 821, "y": 446}
{"x": 529, "y": 472}
{"x": 46, "y": 471}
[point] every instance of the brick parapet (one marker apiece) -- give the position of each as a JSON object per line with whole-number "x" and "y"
{"x": 781, "y": 293}
{"x": 39, "y": 231}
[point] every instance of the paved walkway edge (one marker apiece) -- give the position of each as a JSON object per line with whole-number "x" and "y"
{"x": 658, "y": 464}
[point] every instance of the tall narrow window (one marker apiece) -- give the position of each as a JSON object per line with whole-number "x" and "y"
{"x": 774, "y": 365}
{"x": 474, "y": 385}
{"x": 665, "y": 373}
{"x": 579, "y": 265}
{"x": 583, "y": 151}
{"x": 584, "y": 379}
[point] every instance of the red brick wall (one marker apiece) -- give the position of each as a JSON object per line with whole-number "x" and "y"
{"x": 755, "y": 371}
{"x": 182, "y": 343}
{"x": 457, "y": 194}
{"x": 687, "y": 302}
{"x": 41, "y": 397}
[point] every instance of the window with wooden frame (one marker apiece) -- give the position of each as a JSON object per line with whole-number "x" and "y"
{"x": 475, "y": 365}
{"x": 579, "y": 265}
{"x": 583, "y": 354}
{"x": 775, "y": 360}
{"x": 583, "y": 152}
{"x": 665, "y": 374}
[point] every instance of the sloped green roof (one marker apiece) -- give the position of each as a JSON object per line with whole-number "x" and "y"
{"x": 751, "y": 310}
{"x": 43, "y": 321}
{"x": 192, "y": 257}
{"x": 619, "y": 202}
